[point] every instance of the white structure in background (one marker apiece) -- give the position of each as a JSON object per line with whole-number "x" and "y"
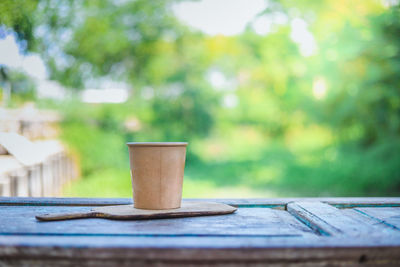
{"x": 33, "y": 169}
{"x": 105, "y": 90}
{"x": 115, "y": 95}
{"x": 50, "y": 90}
{"x": 29, "y": 122}
{"x": 38, "y": 168}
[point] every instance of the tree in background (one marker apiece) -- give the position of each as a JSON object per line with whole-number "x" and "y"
{"x": 346, "y": 88}
{"x": 139, "y": 42}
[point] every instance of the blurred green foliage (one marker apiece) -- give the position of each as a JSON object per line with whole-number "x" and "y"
{"x": 284, "y": 122}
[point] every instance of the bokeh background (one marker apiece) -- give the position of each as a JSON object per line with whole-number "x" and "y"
{"x": 276, "y": 98}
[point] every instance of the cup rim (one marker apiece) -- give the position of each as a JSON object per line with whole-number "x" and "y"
{"x": 150, "y": 144}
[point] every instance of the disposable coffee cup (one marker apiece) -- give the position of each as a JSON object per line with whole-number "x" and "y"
{"x": 157, "y": 174}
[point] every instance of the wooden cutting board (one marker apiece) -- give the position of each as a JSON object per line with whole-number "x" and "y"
{"x": 128, "y": 212}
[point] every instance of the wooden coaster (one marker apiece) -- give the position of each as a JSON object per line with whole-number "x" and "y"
{"x": 128, "y": 212}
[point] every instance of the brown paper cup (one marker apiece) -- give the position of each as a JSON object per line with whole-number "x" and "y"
{"x": 157, "y": 174}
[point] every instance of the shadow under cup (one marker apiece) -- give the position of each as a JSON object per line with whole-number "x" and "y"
{"x": 157, "y": 174}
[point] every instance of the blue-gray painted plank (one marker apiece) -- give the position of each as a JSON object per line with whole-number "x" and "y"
{"x": 245, "y": 222}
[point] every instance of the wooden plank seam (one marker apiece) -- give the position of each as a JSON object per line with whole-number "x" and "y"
{"x": 325, "y": 217}
{"x": 362, "y": 205}
{"x": 377, "y": 219}
{"x": 318, "y": 230}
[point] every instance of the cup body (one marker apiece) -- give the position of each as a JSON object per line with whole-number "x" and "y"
{"x": 157, "y": 174}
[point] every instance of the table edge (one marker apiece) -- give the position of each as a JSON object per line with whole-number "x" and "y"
{"x": 340, "y": 202}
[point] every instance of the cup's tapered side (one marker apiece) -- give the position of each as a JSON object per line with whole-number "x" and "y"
{"x": 157, "y": 176}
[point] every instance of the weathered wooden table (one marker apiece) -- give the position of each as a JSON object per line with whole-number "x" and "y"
{"x": 309, "y": 232}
